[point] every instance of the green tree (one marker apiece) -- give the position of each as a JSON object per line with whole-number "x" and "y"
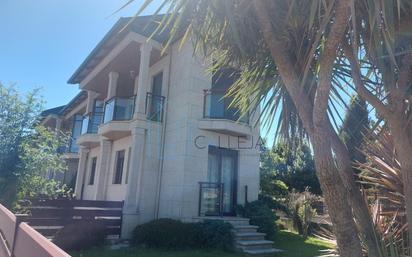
{"x": 18, "y": 114}
{"x": 292, "y": 165}
{"x": 354, "y": 128}
{"x": 41, "y": 160}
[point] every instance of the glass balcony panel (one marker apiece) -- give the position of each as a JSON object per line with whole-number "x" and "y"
{"x": 118, "y": 109}
{"x": 109, "y": 110}
{"x": 94, "y": 122}
{"x": 123, "y": 109}
{"x": 85, "y": 124}
{"x": 216, "y": 106}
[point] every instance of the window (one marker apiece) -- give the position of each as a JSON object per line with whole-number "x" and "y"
{"x": 76, "y": 132}
{"x": 129, "y": 152}
{"x": 118, "y": 173}
{"x": 93, "y": 171}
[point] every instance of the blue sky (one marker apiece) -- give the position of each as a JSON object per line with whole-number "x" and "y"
{"x": 42, "y": 42}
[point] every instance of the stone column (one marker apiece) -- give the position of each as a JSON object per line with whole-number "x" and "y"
{"x": 112, "y": 88}
{"x": 91, "y": 96}
{"x": 143, "y": 79}
{"x": 132, "y": 201}
{"x": 81, "y": 172}
{"x": 131, "y": 206}
{"x": 103, "y": 168}
{"x": 136, "y": 85}
{"x": 58, "y": 125}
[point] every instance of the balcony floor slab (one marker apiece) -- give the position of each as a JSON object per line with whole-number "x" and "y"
{"x": 225, "y": 126}
{"x": 114, "y": 130}
{"x": 89, "y": 140}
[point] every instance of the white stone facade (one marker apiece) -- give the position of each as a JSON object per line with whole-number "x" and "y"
{"x": 163, "y": 161}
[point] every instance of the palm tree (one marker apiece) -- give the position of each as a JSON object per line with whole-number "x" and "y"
{"x": 380, "y": 63}
{"x": 290, "y": 56}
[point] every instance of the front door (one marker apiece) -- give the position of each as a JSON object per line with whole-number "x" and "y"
{"x": 222, "y": 170}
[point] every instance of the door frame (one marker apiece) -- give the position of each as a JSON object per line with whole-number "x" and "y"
{"x": 235, "y": 154}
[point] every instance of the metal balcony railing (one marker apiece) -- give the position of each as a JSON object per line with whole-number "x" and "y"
{"x": 119, "y": 109}
{"x": 154, "y": 107}
{"x": 216, "y": 106}
{"x": 210, "y": 199}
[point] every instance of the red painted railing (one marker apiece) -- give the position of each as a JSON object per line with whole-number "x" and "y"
{"x": 17, "y": 239}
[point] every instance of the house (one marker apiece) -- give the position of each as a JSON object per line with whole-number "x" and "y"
{"x": 155, "y": 130}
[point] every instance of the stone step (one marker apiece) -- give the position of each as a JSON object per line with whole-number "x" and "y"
{"x": 238, "y": 222}
{"x": 235, "y": 221}
{"x": 249, "y": 236}
{"x": 261, "y": 252}
{"x": 253, "y": 244}
{"x": 245, "y": 228}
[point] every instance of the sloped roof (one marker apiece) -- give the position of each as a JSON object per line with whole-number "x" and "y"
{"x": 64, "y": 109}
{"x": 143, "y": 25}
{"x": 51, "y": 111}
{"x": 80, "y": 97}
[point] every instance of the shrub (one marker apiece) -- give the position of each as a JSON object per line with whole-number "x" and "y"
{"x": 260, "y": 214}
{"x": 301, "y": 211}
{"x": 174, "y": 234}
{"x": 214, "y": 234}
{"x": 80, "y": 235}
{"x": 274, "y": 204}
{"x": 164, "y": 233}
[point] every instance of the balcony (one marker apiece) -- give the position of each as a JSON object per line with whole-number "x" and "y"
{"x": 90, "y": 126}
{"x": 219, "y": 117}
{"x": 118, "y": 111}
{"x": 154, "y": 107}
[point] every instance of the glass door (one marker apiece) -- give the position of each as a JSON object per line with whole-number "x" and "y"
{"x": 222, "y": 171}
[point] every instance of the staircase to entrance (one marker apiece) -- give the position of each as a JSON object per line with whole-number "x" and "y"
{"x": 247, "y": 239}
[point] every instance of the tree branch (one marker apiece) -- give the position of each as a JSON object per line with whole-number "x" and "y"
{"x": 337, "y": 31}
{"x": 382, "y": 109}
{"x": 405, "y": 75}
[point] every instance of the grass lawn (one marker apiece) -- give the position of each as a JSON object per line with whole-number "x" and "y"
{"x": 293, "y": 244}
{"x": 296, "y": 246}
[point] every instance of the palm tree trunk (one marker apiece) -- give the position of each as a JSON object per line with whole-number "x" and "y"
{"x": 334, "y": 192}
{"x": 403, "y": 149}
{"x": 336, "y": 198}
{"x": 359, "y": 205}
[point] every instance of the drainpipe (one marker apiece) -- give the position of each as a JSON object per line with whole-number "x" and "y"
{"x": 161, "y": 163}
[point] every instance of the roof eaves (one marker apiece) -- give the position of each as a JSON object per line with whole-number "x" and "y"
{"x": 78, "y": 98}
{"x": 52, "y": 111}
{"x": 122, "y": 21}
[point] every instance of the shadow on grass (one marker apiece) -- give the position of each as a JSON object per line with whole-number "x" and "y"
{"x": 295, "y": 245}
